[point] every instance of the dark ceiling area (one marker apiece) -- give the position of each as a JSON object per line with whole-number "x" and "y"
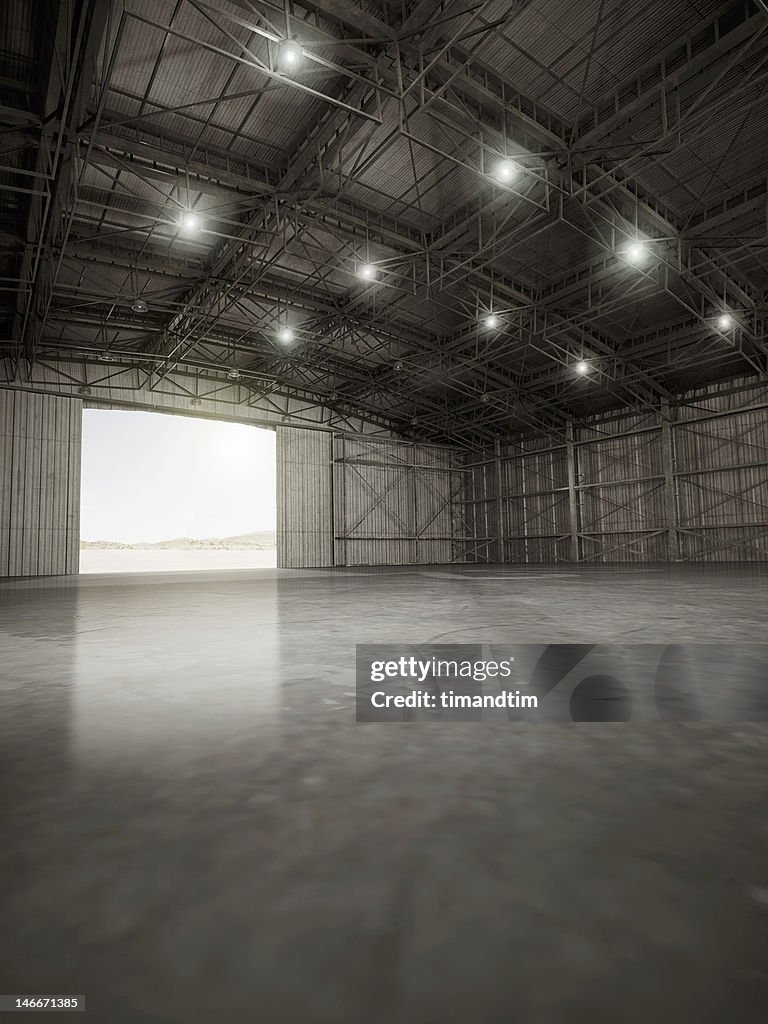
{"x": 456, "y": 220}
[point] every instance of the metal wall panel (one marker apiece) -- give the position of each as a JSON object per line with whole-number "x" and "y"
{"x": 397, "y": 503}
{"x": 686, "y": 483}
{"x": 304, "y": 498}
{"x": 349, "y": 500}
{"x": 620, "y": 484}
{"x": 479, "y": 518}
{"x": 40, "y": 449}
{"x": 721, "y": 447}
{"x": 534, "y": 491}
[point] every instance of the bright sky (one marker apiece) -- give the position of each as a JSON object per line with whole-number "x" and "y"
{"x": 149, "y": 477}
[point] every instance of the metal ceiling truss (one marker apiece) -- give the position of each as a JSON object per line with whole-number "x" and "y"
{"x": 286, "y": 229}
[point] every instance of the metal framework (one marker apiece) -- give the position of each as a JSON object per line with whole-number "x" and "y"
{"x": 399, "y": 503}
{"x": 689, "y": 483}
{"x": 382, "y": 148}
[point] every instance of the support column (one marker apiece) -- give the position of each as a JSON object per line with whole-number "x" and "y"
{"x": 573, "y": 507}
{"x": 670, "y": 482}
{"x": 500, "y": 552}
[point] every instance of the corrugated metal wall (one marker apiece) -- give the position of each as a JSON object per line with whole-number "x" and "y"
{"x": 535, "y": 506}
{"x": 620, "y": 491}
{"x": 721, "y": 448}
{"x": 688, "y": 483}
{"x": 396, "y": 503}
{"x": 481, "y": 511}
{"x": 40, "y": 441}
{"x": 304, "y": 498}
{"x": 347, "y": 500}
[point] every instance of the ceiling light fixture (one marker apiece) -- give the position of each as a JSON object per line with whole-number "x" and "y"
{"x": 725, "y": 322}
{"x": 139, "y": 306}
{"x": 636, "y": 252}
{"x": 289, "y": 55}
{"x": 234, "y": 375}
{"x": 367, "y": 271}
{"x": 286, "y": 335}
{"x": 491, "y": 321}
{"x": 582, "y": 366}
{"x": 507, "y": 171}
{"x": 190, "y": 221}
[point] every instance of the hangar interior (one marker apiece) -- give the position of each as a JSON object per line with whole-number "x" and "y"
{"x": 495, "y": 273}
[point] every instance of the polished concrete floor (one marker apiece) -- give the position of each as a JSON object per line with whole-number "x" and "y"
{"x": 195, "y": 828}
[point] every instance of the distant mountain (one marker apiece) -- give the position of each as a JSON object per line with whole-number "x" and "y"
{"x": 261, "y": 540}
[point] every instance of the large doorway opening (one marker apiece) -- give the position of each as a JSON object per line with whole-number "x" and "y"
{"x": 164, "y": 493}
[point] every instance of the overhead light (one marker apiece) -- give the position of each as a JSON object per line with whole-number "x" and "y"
{"x": 725, "y": 322}
{"x": 234, "y": 375}
{"x": 636, "y": 252}
{"x": 289, "y": 55}
{"x": 582, "y": 366}
{"x": 195, "y": 401}
{"x": 483, "y": 398}
{"x": 105, "y": 357}
{"x": 506, "y": 171}
{"x": 491, "y": 321}
{"x": 286, "y": 335}
{"x": 367, "y": 271}
{"x": 139, "y": 306}
{"x": 190, "y": 221}
{"x": 84, "y": 390}
{"x": 398, "y": 366}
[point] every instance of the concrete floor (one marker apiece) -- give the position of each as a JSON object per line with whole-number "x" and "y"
{"x": 197, "y": 830}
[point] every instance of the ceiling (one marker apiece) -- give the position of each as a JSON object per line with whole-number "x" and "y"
{"x": 483, "y": 158}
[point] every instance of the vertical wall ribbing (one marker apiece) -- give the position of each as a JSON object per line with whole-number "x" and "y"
{"x": 304, "y": 498}
{"x": 39, "y": 484}
{"x": 670, "y": 484}
{"x": 687, "y": 482}
{"x": 573, "y": 507}
{"x": 351, "y": 500}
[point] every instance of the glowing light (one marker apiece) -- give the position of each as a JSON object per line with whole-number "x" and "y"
{"x": 582, "y": 367}
{"x": 286, "y": 335}
{"x": 636, "y": 252}
{"x": 507, "y": 170}
{"x": 491, "y": 321}
{"x": 190, "y": 221}
{"x": 289, "y": 55}
{"x": 139, "y": 306}
{"x": 725, "y": 322}
{"x": 367, "y": 271}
